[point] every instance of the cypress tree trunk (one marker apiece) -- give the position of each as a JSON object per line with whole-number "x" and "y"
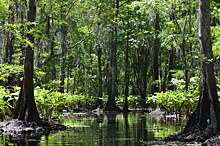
{"x": 10, "y": 44}
{"x": 207, "y": 69}
{"x": 99, "y": 54}
{"x": 156, "y": 50}
{"x": 26, "y": 107}
{"x": 113, "y": 91}
{"x": 111, "y": 103}
{"x": 127, "y": 66}
{"x": 206, "y": 118}
{"x": 63, "y": 47}
{"x": 143, "y": 74}
{"x": 127, "y": 75}
{"x": 170, "y": 67}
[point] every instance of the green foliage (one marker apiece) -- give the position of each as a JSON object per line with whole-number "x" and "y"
{"x": 3, "y": 104}
{"x": 51, "y": 103}
{"x": 7, "y": 70}
{"x": 216, "y": 41}
{"x": 134, "y": 101}
{"x": 177, "y": 102}
{"x": 55, "y": 84}
{"x": 134, "y": 28}
{"x": 48, "y": 103}
{"x": 179, "y": 83}
{"x": 3, "y": 10}
{"x": 218, "y": 89}
{"x": 5, "y": 98}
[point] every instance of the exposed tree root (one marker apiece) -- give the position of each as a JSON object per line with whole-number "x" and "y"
{"x": 21, "y": 129}
{"x": 112, "y": 108}
{"x": 206, "y": 136}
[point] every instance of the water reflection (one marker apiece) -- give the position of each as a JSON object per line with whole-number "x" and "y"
{"x": 112, "y": 129}
{"x": 99, "y": 119}
{"x": 104, "y": 130}
{"x": 142, "y": 124}
{"x": 126, "y": 128}
{"x": 18, "y": 141}
{"x": 25, "y": 141}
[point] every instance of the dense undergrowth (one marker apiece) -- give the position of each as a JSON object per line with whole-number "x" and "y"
{"x": 51, "y": 103}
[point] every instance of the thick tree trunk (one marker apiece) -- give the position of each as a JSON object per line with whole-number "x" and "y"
{"x": 127, "y": 66}
{"x": 185, "y": 66}
{"x": 207, "y": 66}
{"x": 111, "y": 103}
{"x": 206, "y": 118}
{"x": 10, "y": 44}
{"x": 63, "y": 47}
{"x": 156, "y": 49}
{"x": 127, "y": 76}
{"x": 99, "y": 54}
{"x": 113, "y": 91}
{"x": 143, "y": 75}
{"x": 26, "y": 107}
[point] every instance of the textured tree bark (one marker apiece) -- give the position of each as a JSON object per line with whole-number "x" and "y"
{"x": 10, "y": 44}
{"x": 26, "y": 107}
{"x": 63, "y": 46}
{"x": 111, "y": 103}
{"x": 143, "y": 75}
{"x": 99, "y": 55}
{"x": 113, "y": 91}
{"x": 127, "y": 66}
{"x": 156, "y": 50}
{"x": 207, "y": 66}
{"x": 207, "y": 115}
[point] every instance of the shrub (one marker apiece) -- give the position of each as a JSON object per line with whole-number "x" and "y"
{"x": 175, "y": 102}
{"x": 51, "y": 103}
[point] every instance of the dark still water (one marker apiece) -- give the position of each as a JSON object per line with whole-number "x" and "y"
{"x": 106, "y": 130}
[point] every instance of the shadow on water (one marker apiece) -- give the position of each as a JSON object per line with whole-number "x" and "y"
{"x": 9, "y": 140}
{"x": 111, "y": 129}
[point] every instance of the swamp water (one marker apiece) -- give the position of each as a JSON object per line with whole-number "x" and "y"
{"x": 111, "y": 129}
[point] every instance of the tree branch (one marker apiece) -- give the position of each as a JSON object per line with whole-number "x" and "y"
{"x": 58, "y": 54}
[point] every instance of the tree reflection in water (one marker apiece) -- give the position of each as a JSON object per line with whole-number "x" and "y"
{"x": 25, "y": 141}
{"x": 99, "y": 119}
{"x": 112, "y": 129}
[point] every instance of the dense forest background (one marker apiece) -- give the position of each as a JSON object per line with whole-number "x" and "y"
{"x": 126, "y": 53}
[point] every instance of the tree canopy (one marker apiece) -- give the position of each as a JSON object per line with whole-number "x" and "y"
{"x": 113, "y": 52}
